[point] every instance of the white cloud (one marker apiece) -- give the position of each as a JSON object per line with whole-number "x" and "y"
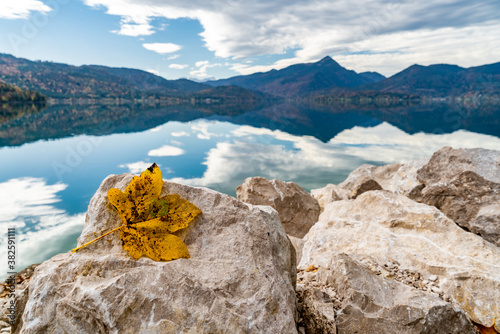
{"x": 140, "y": 166}
{"x": 28, "y": 197}
{"x": 58, "y": 233}
{"x": 173, "y": 57}
{"x": 201, "y": 63}
{"x": 42, "y": 229}
{"x": 162, "y": 48}
{"x": 134, "y": 30}
{"x": 355, "y": 32}
{"x": 203, "y": 66}
{"x": 136, "y": 167}
{"x": 177, "y": 66}
{"x": 156, "y": 129}
{"x": 155, "y": 72}
{"x": 21, "y": 9}
{"x": 388, "y": 144}
{"x": 176, "y": 142}
{"x": 166, "y": 151}
{"x": 202, "y": 129}
{"x": 180, "y": 134}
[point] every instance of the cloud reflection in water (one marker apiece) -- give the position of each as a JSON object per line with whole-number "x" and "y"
{"x": 312, "y": 163}
{"x": 42, "y": 229}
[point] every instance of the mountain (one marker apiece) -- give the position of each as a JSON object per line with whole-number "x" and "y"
{"x": 421, "y": 80}
{"x": 442, "y": 80}
{"x": 149, "y": 81}
{"x": 493, "y": 69}
{"x": 325, "y": 80}
{"x": 299, "y": 79}
{"x": 9, "y": 93}
{"x": 65, "y": 120}
{"x": 57, "y": 80}
{"x": 15, "y": 102}
{"x": 373, "y": 76}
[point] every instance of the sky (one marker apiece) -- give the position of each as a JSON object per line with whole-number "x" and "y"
{"x": 204, "y": 39}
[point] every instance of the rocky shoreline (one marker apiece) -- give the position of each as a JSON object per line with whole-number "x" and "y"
{"x": 401, "y": 248}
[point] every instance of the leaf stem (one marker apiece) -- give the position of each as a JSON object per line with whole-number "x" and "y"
{"x": 102, "y": 236}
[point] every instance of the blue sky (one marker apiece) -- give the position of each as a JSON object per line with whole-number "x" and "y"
{"x": 203, "y": 39}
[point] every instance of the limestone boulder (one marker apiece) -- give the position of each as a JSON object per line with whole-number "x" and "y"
{"x": 21, "y": 280}
{"x": 360, "y": 181}
{"x": 400, "y": 178}
{"x": 298, "y": 244}
{"x": 381, "y": 227}
{"x": 397, "y": 178}
{"x": 465, "y": 185}
{"x": 350, "y": 297}
{"x": 297, "y": 209}
{"x": 240, "y": 277}
{"x": 329, "y": 193}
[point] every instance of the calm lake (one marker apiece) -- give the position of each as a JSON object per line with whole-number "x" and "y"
{"x": 52, "y": 161}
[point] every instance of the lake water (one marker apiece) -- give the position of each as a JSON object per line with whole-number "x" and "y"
{"x": 52, "y": 161}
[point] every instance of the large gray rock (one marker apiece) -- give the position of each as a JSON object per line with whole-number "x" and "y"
{"x": 297, "y": 244}
{"x": 329, "y": 193}
{"x": 297, "y": 209}
{"x": 465, "y": 185}
{"x": 360, "y": 181}
{"x": 398, "y": 178}
{"x": 240, "y": 277}
{"x": 21, "y": 280}
{"x": 382, "y": 227}
{"x": 347, "y": 297}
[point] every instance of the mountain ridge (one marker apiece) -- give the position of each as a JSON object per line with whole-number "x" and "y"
{"x": 440, "y": 80}
{"x": 58, "y": 80}
{"x": 298, "y": 79}
{"x": 325, "y": 79}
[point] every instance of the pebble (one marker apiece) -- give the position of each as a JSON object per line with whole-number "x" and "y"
{"x": 433, "y": 278}
{"x": 436, "y": 289}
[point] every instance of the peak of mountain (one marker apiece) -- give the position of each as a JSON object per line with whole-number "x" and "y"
{"x": 327, "y": 61}
{"x": 298, "y": 79}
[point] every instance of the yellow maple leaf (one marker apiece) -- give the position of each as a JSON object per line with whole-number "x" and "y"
{"x": 149, "y": 220}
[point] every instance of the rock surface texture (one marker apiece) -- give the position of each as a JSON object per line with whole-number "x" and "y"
{"x": 347, "y": 297}
{"x": 297, "y": 209}
{"x": 397, "y": 178}
{"x": 465, "y": 185}
{"x": 22, "y": 280}
{"x": 240, "y": 277}
{"x": 410, "y": 243}
{"x": 329, "y": 193}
